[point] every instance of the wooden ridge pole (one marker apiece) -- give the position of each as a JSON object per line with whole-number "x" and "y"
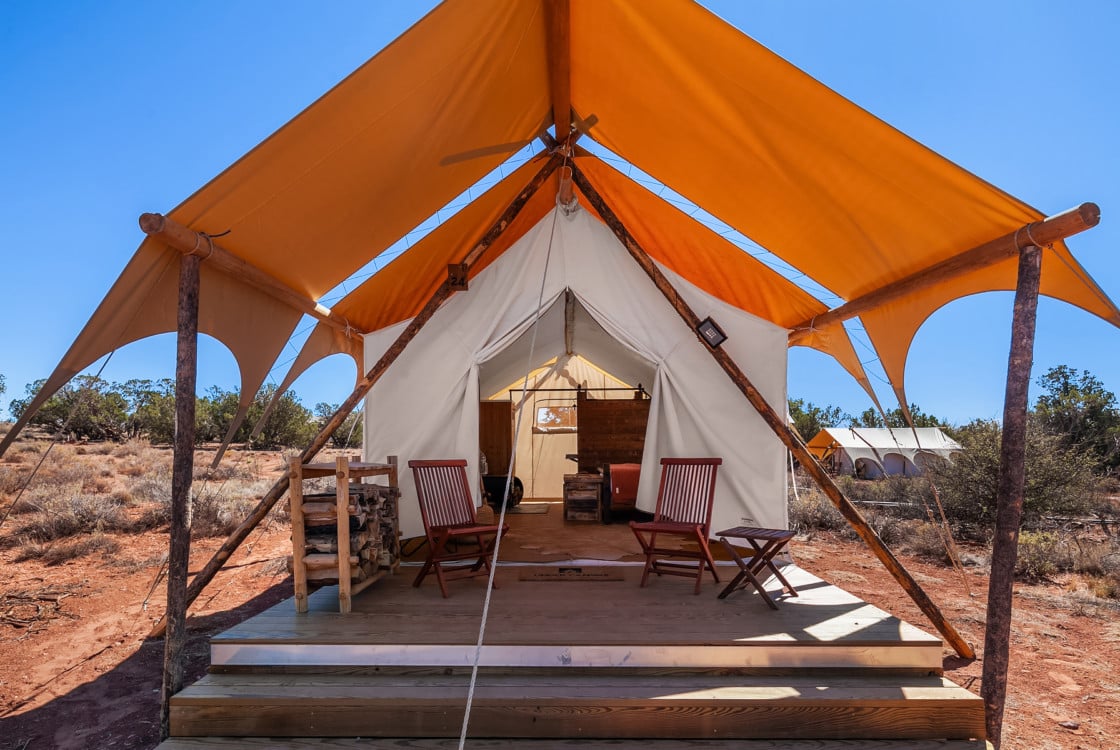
{"x": 1009, "y": 493}
{"x": 1044, "y": 232}
{"x": 190, "y": 242}
{"x": 367, "y": 382}
{"x": 778, "y": 424}
{"x": 559, "y": 46}
{"x": 178, "y": 555}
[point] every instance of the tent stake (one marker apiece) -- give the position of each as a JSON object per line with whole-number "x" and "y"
{"x": 440, "y": 295}
{"x": 777, "y": 424}
{"x": 1009, "y": 494}
{"x": 178, "y": 555}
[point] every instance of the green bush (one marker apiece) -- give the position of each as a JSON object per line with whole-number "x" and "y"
{"x": 1059, "y": 480}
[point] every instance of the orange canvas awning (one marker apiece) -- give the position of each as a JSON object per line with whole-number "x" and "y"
{"x": 837, "y": 194}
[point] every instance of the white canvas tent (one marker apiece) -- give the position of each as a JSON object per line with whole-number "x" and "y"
{"x": 426, "y": 406}
{"x": 874, "y": 452}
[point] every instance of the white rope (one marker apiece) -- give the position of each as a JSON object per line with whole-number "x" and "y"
{"x": 793, "y": 477}
{"x": 505, "y": 496}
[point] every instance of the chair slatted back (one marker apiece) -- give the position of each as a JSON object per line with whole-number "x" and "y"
{"x": 688, "y": 486}
{"x": 443, "y": 491}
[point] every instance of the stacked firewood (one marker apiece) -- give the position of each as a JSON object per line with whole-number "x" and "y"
{"x": 372, "y": 511}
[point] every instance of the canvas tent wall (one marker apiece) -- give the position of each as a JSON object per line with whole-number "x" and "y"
{"x": 542, "y": 454}
{"x": 427, "y": 405}
{"x": 872, "y": 452}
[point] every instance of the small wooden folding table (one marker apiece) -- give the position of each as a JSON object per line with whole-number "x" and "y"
{"x": 766, "y": 543}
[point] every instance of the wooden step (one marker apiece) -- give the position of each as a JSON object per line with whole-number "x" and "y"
{"x": 348, "y": 743}
{"x": 562, "y": 705}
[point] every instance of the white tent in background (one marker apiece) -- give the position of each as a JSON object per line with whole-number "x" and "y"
{"x": 874, "y": 452}
{"x": 427, "y": 405}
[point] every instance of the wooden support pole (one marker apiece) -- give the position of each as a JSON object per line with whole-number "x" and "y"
{"x": 1009, "y": 493}
{"x": 778, "y": 424}
{"x": 1044, "y": 232}
{"x": 559, "y": 46}
{"x": 190, "y": 242}
{"x": 178, "y": 556}
{"x": 362, "y": 388}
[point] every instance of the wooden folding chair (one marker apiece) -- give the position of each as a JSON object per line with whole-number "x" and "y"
{"x": 684, "y": 511}
{"x": 449, "y": 519}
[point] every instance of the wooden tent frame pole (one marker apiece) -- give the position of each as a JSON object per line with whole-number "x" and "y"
{"x": 1009, "y": 493}
{"x": 178, "y": 555}
{"x": 440, "y": 295}
{"x": 558, "y": 23}
{"x": 1044, "y": 232}
{"x": 777, "y": 424}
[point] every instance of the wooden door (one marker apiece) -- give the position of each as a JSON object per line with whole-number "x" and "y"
{"x": 495, "y": 433}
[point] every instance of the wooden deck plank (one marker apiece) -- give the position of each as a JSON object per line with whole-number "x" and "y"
{"x": 562, "y": 684}
{"x": 374, "y": 743}
{"x": 536, "y": 623}
{"x": 604, "y": 612}
{"x": 559, "y": 705}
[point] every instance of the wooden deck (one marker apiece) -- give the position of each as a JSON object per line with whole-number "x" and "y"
{"x": 537, "y": 622}
{"x": 576, "y": 655}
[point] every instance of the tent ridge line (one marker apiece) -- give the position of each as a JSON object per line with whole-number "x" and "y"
{"x": 558, "y": 43}
{"x": 1039, "y": 233}
{"x": 441, "y": 294}
{"x": 777, "y": 424}
{"x": 190, "y": 242}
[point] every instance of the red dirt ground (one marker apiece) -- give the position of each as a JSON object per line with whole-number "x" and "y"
{"x": 82, "y": 674}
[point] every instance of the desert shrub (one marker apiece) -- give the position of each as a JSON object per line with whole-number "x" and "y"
{"x": 13, "y": 478}
{"x": 152, "y": 487}
{"x": 926, "y": 540}
{"x": 1041, "y": 554}
{"x": 810, "y": 510}
{"x": 62, "y": 469}
{"x": 902, "y": 497}
{"x": 1105, "y": 586}
{"x": 890, "y": 526}
{"x": 58, "y": 552}
{"x": 1059, "y": 480}
{"x": 58, "y": 516}
{"x": 132, "y": 447}
{"x": 219, "y": 510}
{"x": 223, "y": 472}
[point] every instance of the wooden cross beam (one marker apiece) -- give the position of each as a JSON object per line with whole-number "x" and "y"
{"x": 776, "y": 423}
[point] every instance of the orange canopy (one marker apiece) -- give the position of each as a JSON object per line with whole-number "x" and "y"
{"x": 839, "y": 195}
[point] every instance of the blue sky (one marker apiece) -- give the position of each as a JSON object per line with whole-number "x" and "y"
{"x": 112, "y": 109}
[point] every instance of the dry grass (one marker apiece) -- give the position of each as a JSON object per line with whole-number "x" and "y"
{"x": 58, "y": 552}
{"x": 927, "y": 541}
{"x": 64, "y": 515}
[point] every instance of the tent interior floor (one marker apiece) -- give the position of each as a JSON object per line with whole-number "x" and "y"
{"x": 575, "y": 653}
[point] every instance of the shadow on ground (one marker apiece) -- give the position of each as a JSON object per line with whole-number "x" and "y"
{"x": 120, "y": 708}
